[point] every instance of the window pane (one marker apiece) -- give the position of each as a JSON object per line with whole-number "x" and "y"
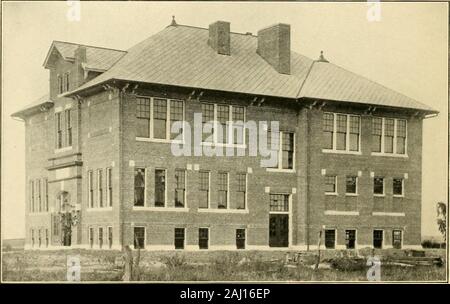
{"x": 350, "y": 239}
{"x": 143, "y": 117}
{"x": 397, "y": 186}
{"x": 288, "y": 150}
{"x": 238, "y": 124}
{"x": 378, "y": 239}
{"x": 222, "y": 118}
{"x": 330, "y": 184}
{"x": 176, "y": 114}
{"x": 354, "y": 133}
{"x": 179, "y": 238}
{"x": 139, "y": 237}
{"x": 327, "y": 121}
{"x": 139, "y": 187}
{"x": 279, "y": 202}
{"x": 378, "y": 185}
{"x": 275, "y": 139}
{"x": 388, "y": 136}
{"x": 204, "y": 190}
{"x": 341, "y": 132}
{"x": 203, "y": 238}
{"x": 179, "y": 188}
{"x": 159, "y": 118}
{"x": 223, "y": 190}
{"x": 208, "y": 116}
{"x": 351, "y": 184}
{"x": 377, "y": 125}
{"x": 401, "y": 136}
{"x": 240, "y": 238}
{"x": 160, "y": 188}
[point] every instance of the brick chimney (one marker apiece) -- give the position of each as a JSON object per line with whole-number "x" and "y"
{"x": 219, "y": 37}
{"x": 274, "y": 45}
{"x": 80, "y": 59}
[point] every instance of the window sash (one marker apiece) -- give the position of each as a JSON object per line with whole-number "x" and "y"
{"x": 109, "y": 186}
{"x": 180, "y": 188}
{"x": 279, "y": 202}
{"x": 397, "y": 186}
{"x": 351, "y": 184}
{"x": 139, "y": 187}
{"x": 378, "y": 185}
{"x": 341, "y": 132}
{"x": 100, "y": 187}
{"x": 330, "y": 184}
{"x": 231, "y": 119}
{"x": 389, "y": 135}
{"x": 160, "y": 188}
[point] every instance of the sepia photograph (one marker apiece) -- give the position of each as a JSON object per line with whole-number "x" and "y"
{"x": 224, "y": 142}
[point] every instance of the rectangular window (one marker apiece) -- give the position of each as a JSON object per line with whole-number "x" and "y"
{"x": 67, "y": 82}
{"x": 241, "y": 191}
{"x": 139, "y": 187}
{"x": 60, "y": 84}
{"x": 204, "y": 189}
{"x": 32, "y": 238}
{"x": 223, "y": 117}
{"x": 110, "y": 237}
{"x": 328, "y": 127}
{"x": 378, "y": 239}
{"x": 388, "y": 136}
{"x": 159, "y": 118}
{"x": 238, "y": 114}
{"x": 351, "y": 185}
{"x": 109, "y": 194}
{"x": 287, "y": 157}
{"x": 354, "y": 133}
{"x": 100, "y": 237}
{"x": 223, "y": 190}
{"x": 39, "y": 237}
{"x": 39, "y": 191}
{"x": 91, "y": 237}
{"x": 139, "y": 237}
{"x": 377, "y": 134}
{"x": 279, "y": 202}
{"x": 203, "y": 238}
{"x": 143, "y": 117}
{"x": 378, "y": 186}
{"x": 179, "y": 238}
{"x": 397, "y": 239}
{"x": 68, "y": 127}
{"x": 160, "y": 188}
{"x": 56, "y": 224}
{"x": 180, "y": 188}
{"x": 208, "y": 117}
{"x": 350, "y": 239}
{"x": 176, "y": 115}
{"x": 32, "y": 196}
{"x": 100, "y": 187}
{"x": 330, "y": 184}
{"x": 91, "y": 189}
{"x": 46, "y": 194}
{"x": 330, "y": 238}
{"x": 401, "y": 136}
{"x": 397, "y": 186}
{"x": 273, "y": 144}
{"x": 341, "y": 132}
{"x": 59, "y": 132}
{"x": 47, "y": 240}
{"x": 240, "y": 238}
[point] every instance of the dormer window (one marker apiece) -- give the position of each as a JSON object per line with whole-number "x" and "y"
{"x": 60, "y": 84}
{"x": 63, "y": 83}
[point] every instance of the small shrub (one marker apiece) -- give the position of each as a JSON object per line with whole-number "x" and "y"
{"x": 174, "y": 261}
{"x": 348, "y": 264}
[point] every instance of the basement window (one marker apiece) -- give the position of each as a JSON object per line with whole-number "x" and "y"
{"x": 139, "y": 237}
{"x": 203, "y": 238}
{"x": 330, "y": 238}
{"x": 378, "y": 239}
{"x": 397, "y": 239}
{"x": 179, "y": 238}
{"x": 350, "y": 239}
{"x": 341, "y": 133}
{"x": 240, "y": 238}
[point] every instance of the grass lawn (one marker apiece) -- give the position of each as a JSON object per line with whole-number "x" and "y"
{"x": 208, "y": 266}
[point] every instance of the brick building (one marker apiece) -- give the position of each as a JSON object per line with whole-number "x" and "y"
{"x": 100, "y": 171}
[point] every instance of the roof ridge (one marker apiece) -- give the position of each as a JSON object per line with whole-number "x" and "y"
{"x": 204, "y": 28}
{"x": 91, "y": 46}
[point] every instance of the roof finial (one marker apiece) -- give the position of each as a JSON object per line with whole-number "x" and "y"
{"x": 322, "y": 58}
{"x": 174, "y": 23}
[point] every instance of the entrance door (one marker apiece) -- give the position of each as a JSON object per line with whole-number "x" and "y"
{"x": 279, "y": 230}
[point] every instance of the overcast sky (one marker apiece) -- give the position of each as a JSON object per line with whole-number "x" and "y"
{"x": 406, "y": 51}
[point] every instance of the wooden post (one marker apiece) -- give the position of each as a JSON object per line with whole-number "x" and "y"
{"x": 318, "y": 249}
{"x": 128, "y": 266}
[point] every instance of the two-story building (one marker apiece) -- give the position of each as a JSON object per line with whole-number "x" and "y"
{"x": 101, "y": 170}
